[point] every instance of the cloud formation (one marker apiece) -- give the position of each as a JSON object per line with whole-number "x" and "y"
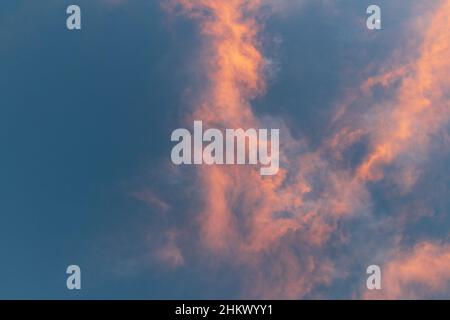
{"x": 282, "y": 231}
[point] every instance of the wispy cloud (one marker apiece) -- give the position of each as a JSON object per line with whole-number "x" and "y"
{"x": 282, "y": 231}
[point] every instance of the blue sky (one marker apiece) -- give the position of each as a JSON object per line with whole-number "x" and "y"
{"x": 82, "y": 114}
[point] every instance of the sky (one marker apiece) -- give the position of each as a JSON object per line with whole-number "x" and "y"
{"x": 87, "y": 179}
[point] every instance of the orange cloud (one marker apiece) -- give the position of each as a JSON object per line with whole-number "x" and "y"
{"x": 421, "y": 273}
{"x": 421, "y": 106}
{"x": 277, "y": 227}
{"x": 230, "y": 57}
{"x": 245, "y": 215}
